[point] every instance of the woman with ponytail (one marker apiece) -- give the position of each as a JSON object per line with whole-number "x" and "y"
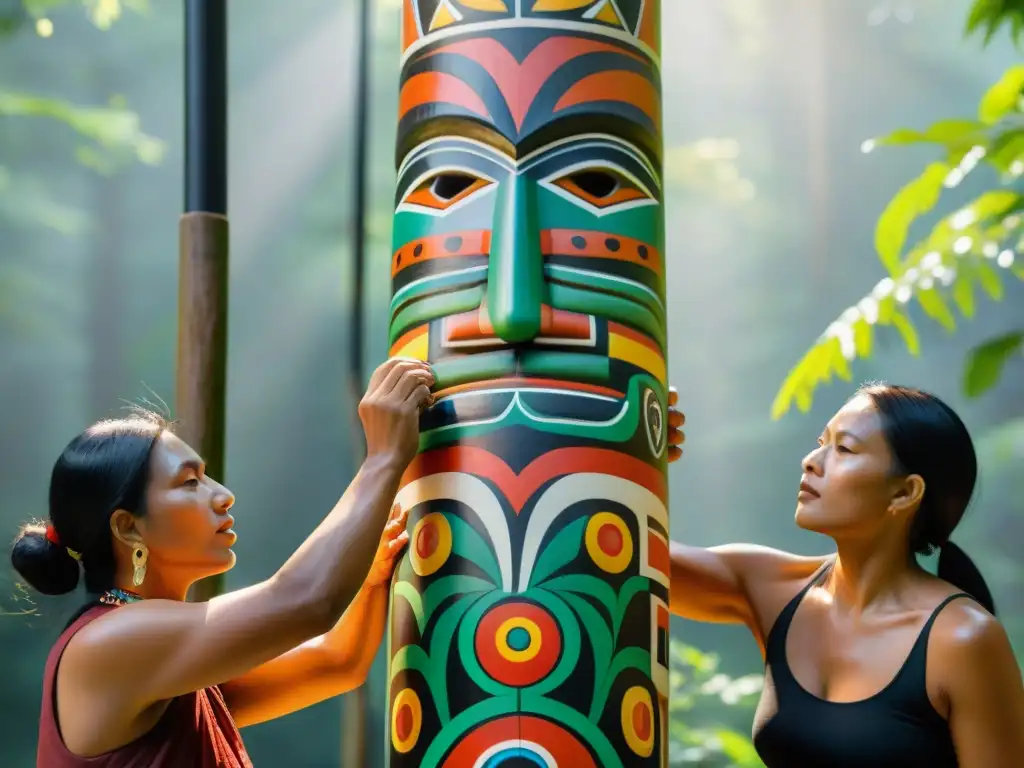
{"x": 871, "y": 660}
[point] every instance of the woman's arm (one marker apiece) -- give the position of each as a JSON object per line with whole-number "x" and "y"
{"x": 970, "y": 651}
{"x": 124, "y": 662}
{"x": 331, "y": 664}
{"x": 734, "y": 583}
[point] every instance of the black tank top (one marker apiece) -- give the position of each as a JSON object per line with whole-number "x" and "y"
{"x": 897, "y": 727}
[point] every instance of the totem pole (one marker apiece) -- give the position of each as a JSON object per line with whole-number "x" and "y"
{"x": 529, "y": 620}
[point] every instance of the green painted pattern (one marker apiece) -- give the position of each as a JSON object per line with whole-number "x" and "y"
{"x": 598, "y": 281}
{"x": 569, "y": 366}
{"x": 610, "y": 307}
{"x": 479, "y": 367}
{"x": 433, "y": 307}
{"x": 597, "y": 632}
{"x": 409, "y": 593}
{"x": 560, "y": 551}
{"x": 585, "y": 584}
{"x": 443, "y": 588}
{"x": 643, "y": 223}
{"x": 441, "y": 646}
{"x": 562, "y": 597}
{"x": 627, "y": 658}
{"x": 585, "y": 727}
{"x": 410, "y": 657}
{"x": 469, "y": 544}
{"x": 570, "y": 628}
{"x": 446, "y": 281}
{"x": 467, "y": 650}
{"x": 522, "y": 415}
{"x": 464, "y": 722}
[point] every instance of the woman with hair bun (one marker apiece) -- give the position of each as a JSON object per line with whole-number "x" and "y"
{"x": 143, "y": 679}
{"x": 871, "y": 660}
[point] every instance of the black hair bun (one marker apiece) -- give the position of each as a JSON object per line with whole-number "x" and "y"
{"x": 47, "y": 567}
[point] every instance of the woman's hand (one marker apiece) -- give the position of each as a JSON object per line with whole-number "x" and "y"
{"x": 390, "y": 410}
{"x": 392, "y": 542}
{"x": 676, "y": 420}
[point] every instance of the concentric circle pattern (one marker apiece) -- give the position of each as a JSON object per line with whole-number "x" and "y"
{"x": 406, "y": 720}
{"x": 638, "y": 721}
{"x": 609, "y": 542}
{"x": 518, "y": 643}
{"x": 430, "y": 544}
{"x": 519, "y": 742}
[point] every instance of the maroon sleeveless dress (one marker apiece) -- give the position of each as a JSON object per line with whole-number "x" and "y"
{"x": 196, "y": 731}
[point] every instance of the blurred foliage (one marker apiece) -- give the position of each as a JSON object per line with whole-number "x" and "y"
{"x": 989, "y": 16}
{"x": 699, "y": 692}
{"x": 104, "y": 138}
{"x": 973, "y": 247}
{"x": 112, "y": 134}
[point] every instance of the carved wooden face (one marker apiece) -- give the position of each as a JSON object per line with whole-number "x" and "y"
{"x": 530, "y": 617}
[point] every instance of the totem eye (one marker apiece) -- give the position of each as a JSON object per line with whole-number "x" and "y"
{"x": 441, "y": 191}
{"x": 601, "y": 187}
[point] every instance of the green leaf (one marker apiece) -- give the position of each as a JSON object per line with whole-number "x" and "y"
{"x": 1003, "y": 97}
{"x": 991, "y": 15}
{"x": 963, "y": 291}
{"x": 985, "y": 363}
{"x": 951, "y": 133}
{"x": 862, "y": 337}
{"x": 902, "y": 324}
{"x": 1005, "y": 149}
{"x": 936, "y": 308}
{"x": 838, "y": 360}
{"x": 989, "y": 280}
{"x": 804, "y": 398}
{"x": 914, "y": 199}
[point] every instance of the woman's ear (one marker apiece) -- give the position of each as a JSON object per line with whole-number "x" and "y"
{"x": 907, "y": 495}
{"x": 122, "y": 525}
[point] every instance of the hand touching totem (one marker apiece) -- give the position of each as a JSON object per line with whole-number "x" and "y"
{"x": 529, "y": 622}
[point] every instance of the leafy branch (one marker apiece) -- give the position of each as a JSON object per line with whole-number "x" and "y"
{"x": 972, "y": 247}
{"x": 113, "y": 128}
{"x": 989, "y": 16}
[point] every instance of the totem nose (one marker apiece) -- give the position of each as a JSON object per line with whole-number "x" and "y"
{"x": 515, "y": 278}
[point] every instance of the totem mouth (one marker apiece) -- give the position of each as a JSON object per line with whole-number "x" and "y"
{"x": 515, "y": 368}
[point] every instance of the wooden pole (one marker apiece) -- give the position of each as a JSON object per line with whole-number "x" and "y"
{"x": 355, "y": 704}
{"x": 203, "y": 252}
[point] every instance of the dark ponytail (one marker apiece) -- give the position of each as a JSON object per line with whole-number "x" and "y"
{"x": 103, "y": 469}
{"x": 960, "y": 571}
{"x": 927, "y": 438}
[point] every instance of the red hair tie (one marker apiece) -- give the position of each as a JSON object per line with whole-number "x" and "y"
{"x": 51, "y": 535}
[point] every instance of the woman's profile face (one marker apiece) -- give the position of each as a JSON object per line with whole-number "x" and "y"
{"x": 187, "y": 526}
{"x": 847, "y": 486}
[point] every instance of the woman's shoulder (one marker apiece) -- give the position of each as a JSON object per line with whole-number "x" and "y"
{"x": 964, "y": 626}
{"x": 967, "y": 642}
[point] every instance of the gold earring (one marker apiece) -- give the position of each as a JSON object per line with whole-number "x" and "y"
{"x": 139, "y": 557}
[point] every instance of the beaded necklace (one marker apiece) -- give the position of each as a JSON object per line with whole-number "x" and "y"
{"x": 117, "y": 596}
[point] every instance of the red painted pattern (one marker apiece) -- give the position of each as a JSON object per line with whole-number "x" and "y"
{"x": 473, "y": 243}
{"x": 520, "y": 84}
{"x": 519, "y": 488}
